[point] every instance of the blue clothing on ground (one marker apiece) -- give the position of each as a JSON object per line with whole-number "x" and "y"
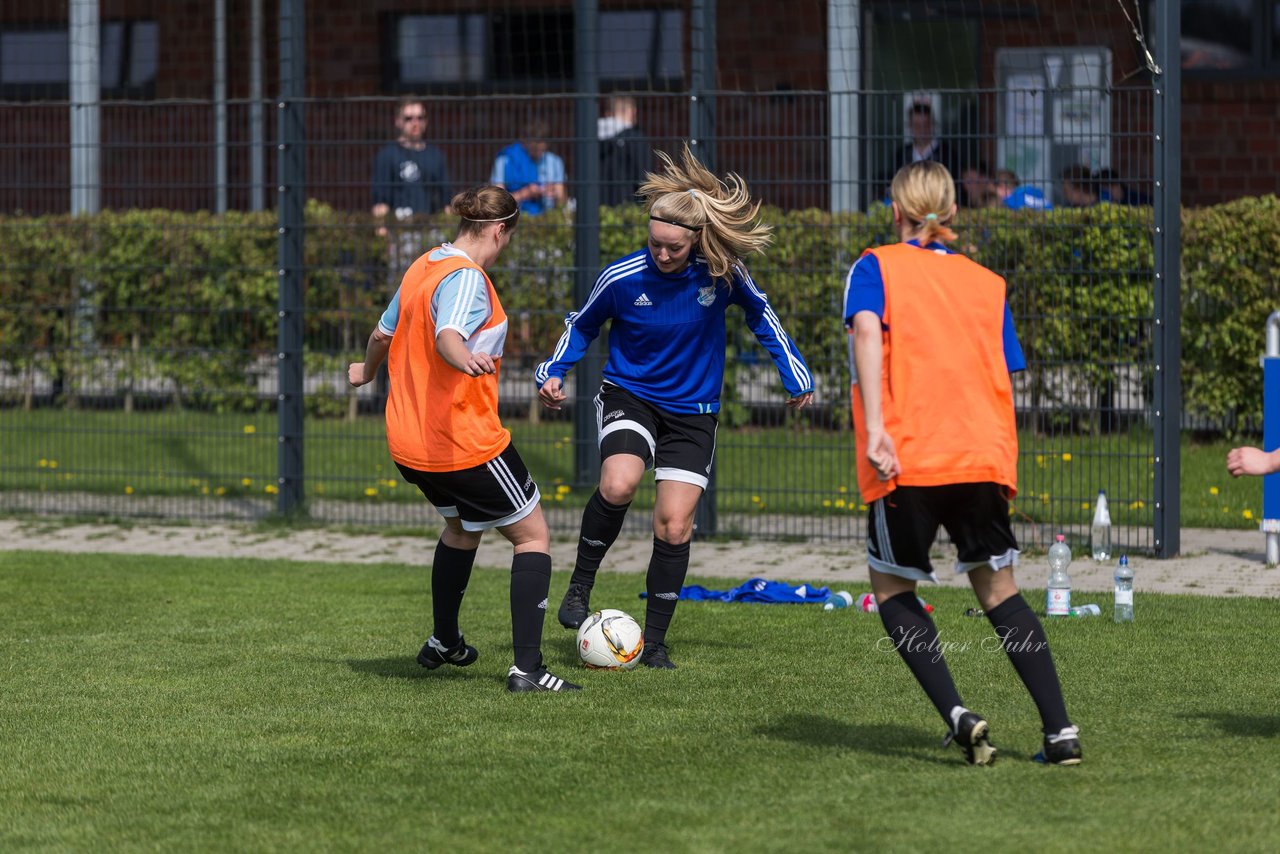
{"x": 667, "y": 338}
{"x": 758, "y": 590}
{"x": 864, "y": 291}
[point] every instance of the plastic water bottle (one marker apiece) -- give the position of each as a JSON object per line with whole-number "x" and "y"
{"x": 1058, "y": 597}
{"x": 839, "y": 599}
{"x": 1100, "y": 530}
{"x": 1124, "y": 591}
{"x": 1090, "y": 610}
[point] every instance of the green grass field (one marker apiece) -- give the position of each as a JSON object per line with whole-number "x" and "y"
{"x": 184, "y": 704}
{"x": 760, "y": 471}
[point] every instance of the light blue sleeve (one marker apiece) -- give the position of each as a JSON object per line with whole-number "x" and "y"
{"x": 499, "y": 174}
{"x": 391, "y": 317}
{"x": 551, "y": 170}
{"x": 461, "y": 302}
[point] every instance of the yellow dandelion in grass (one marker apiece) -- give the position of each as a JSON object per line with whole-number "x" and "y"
{"x": 1066, "y": 456}
{"x": 559, "y": 496}
{"x": 1226, "y": 509}
{"x": 1084, "y": 505}
{"x": 249, "y": 428}
{"x": 1044, "y": 498}
{"x": 128, "y": 490}
{"x": 755, "y": 499}
{"x": 53, "y": 464}
{"x": 563, "y": 488}
{"x": 370, "y": 492}
{"x": 391, "y": 484}
{"x": 566, "y": 439}
{"x": 319, "y": 489}
{"x": 826, "y": 502}
{"x": 840, "y": 502}
{"x": 1213, "y": 490}
{"x": 221, "y": 490}
{"x": 842, "y": 490}
{"x": 1137, "y": 505}
{"x": 246, "y": 481}
{"x": 44, "y": 464}
{"x": 557, "y": 445}
{"x": 271, "y": 489}
{"x": 1248, "y": 514}
{"x": 1040, "y": 460}
{"x": 862, "y": 507}
{"x": 204, "y": 490}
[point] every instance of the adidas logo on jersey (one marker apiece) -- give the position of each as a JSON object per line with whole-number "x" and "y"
{"x": 643, "y": 299}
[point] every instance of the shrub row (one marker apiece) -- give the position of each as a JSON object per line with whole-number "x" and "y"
{"x": 187, "y": 302}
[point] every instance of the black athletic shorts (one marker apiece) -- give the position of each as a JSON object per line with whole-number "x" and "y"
{"x": 902, "y": 526}
{"x": 495, "y": 494}
{"x": 676, "y": 447}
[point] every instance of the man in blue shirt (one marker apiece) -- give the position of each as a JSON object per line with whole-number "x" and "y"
{"x": 530, "y": 172}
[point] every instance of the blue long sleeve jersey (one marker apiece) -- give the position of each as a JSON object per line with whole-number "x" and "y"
{"x": 667, "y": 338}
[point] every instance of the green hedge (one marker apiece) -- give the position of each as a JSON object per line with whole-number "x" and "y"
{"x": 190, "y": 298}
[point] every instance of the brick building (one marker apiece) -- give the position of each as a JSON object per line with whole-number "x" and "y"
{"x": 772, "y": 110}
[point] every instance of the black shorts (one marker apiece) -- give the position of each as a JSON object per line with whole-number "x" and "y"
{"x": 902, "y": 526}
{"x": 495, "y": 494}
{"x": 676, "y": 447}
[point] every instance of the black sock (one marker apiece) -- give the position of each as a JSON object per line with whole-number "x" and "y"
{"x": 916, "y": 639}
{"x": 530, "y": 581}
{"x": 450, "y": 572}
{"x": 601, "y": 523}
{"x": 1024, "y": 642}
{"x": 667, "y": 569}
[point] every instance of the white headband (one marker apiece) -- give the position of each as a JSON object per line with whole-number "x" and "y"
{"x": 497, "y": 219}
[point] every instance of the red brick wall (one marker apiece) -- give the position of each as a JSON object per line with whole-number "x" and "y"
{"x": 161, "y": 155}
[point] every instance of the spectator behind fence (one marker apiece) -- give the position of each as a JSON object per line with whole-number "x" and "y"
{"x": 409, "y": 175}
{"x": 1112, "y": 189}
{"x": 976, "y": 190}
{"x": 1254, "y": 461}
{"x": 1017, "y": 196}
{"x": 532, "y": 173}
{"x": 1079, "y": 189}
{"x": 624, "y": 152}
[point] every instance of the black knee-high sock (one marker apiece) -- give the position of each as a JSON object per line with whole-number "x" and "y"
{"x": 450, "y": 572}
{"x": 601, "y": 523}
{"x": 667, "y": 569}
{"x": 1024, "y": 642}
{"x": 530, "y": 581}
{"x": 916, "y": 638}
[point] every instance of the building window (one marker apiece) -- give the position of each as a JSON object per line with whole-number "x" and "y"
{"x": 35, "y": 63}
{"x": 533, "y": 49}
{"x": 1230, "y": 36}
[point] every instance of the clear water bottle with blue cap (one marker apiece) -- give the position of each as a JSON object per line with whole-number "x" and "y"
{"x": 1124, "y": 591}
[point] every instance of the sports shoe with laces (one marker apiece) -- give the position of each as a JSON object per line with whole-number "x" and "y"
{"x": 971, "y": 734}
{"x": 537, "y": 680}
{"x": 655, "y": 655}
{"x": 575, "y": 606}
{"x": 434, "y": 654}
{"x": 1061, "y": 748}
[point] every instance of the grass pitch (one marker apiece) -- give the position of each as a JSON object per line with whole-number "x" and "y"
{"x": 183, "y": 704}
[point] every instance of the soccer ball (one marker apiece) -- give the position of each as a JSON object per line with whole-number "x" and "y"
{"x": 610, "y": 640}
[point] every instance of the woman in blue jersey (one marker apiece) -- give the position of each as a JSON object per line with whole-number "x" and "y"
{"x": 658, "y": 407}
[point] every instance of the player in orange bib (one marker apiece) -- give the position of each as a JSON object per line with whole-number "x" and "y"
{"x": 443, "y": 336}
{"x": 932, "y": 345}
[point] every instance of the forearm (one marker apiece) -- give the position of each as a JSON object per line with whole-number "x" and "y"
{"x": 868, "y": 361}
{"x": 375, "y": 353}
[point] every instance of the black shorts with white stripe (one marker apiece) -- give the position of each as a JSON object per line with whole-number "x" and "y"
{"x": 495, "y": 494}
{"x": 902, "y": 526}
{"x": 676, "y": 447}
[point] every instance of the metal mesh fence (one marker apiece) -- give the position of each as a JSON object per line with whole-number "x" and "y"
{"x": 140, "y": 359}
